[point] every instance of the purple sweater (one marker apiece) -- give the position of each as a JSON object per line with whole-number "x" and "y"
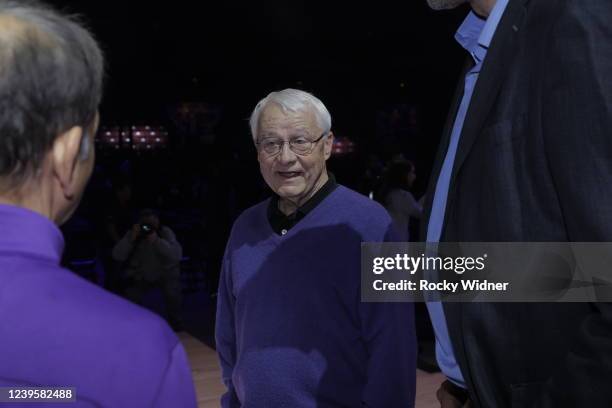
{"x": 57, "y": 329}
{"x": 291, "y": 329}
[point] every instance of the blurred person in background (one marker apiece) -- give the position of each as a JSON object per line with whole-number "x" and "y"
{"x": 151, "y": 258}
{"x": 118, "y": 219}
{"x": 395, "y": 195}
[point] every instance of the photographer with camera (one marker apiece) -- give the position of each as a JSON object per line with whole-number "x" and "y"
{"x": 151, "y": 258}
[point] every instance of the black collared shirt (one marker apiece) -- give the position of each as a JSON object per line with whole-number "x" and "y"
{"x": 282, "y": 223}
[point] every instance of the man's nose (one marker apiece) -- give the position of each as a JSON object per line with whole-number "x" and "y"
{"x": 286, "y": 155}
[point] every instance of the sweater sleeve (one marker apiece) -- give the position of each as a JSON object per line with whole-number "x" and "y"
{"x": 577, "y": 118}
{"x": 176, "y": 388}
{"x": 389, "y": 333}
{"x": 225, "y": 334}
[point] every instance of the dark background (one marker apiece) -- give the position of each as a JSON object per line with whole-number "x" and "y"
{"x": 357, "y": 58}
{"x": 385, "y": 70}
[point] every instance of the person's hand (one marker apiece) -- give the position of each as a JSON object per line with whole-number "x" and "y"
{"x": 135, "y": 232}
{"x": 447, "y": 399}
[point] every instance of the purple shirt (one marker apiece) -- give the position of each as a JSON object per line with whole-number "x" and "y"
{"x": 57, "y": 329}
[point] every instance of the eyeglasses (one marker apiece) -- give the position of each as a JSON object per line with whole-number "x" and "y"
{"x": 299, "y": 145}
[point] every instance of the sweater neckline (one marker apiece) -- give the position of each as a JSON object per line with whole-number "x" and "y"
{"x": 299, "y": 225}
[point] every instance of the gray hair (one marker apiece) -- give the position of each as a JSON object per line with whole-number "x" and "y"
{"x": 51, "y": 78}
{"x": 292, "y": 100}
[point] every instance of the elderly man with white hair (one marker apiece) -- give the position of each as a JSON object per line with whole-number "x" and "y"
{"x": 291, "y": 330}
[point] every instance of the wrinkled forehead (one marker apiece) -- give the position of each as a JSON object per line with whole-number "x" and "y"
{"x": 275, "y": 121}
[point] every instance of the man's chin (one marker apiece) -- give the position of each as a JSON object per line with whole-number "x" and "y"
{"x": 290, "y": 193}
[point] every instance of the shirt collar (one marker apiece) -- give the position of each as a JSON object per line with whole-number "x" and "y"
{"x": 475, "y": 34}
{"x": 27, "y": 232}
{"x": 492, "y": 22}
{"x": 280, "y": 221}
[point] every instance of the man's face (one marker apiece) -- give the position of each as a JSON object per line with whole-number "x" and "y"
{"x": 293, "y": 177}
{"x": 445, "y": 4}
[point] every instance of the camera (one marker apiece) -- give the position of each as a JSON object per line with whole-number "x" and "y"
{"x": 146, "y": 229}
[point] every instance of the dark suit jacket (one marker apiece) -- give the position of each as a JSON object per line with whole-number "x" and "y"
{"x": 535, "y": 164}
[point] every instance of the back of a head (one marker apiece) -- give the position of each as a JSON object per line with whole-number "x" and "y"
{"x": 51, "y": 75}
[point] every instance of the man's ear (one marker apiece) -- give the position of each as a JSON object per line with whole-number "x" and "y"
{"x": 328, "y": 144}
{"x": 65, "y": 155}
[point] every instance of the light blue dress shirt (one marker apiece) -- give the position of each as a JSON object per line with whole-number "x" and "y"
{"x": 475, "y": 35}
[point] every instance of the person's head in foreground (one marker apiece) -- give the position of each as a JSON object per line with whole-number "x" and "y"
{"x": 59, "y": 330}
{"x": 51, "y": 72}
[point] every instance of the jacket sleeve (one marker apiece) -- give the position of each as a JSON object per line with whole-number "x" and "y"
{"x": 577, "y": 127}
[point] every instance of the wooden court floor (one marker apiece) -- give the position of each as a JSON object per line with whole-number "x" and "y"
{"x": 207, "y": 376}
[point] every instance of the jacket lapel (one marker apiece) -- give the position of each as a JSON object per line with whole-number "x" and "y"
{"x": 495, "y": 67}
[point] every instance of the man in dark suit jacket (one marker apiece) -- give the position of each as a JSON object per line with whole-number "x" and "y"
{"x": 532, "y": 162}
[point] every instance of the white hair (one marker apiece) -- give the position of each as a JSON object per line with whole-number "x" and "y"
{"x": 292, "y": 100}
